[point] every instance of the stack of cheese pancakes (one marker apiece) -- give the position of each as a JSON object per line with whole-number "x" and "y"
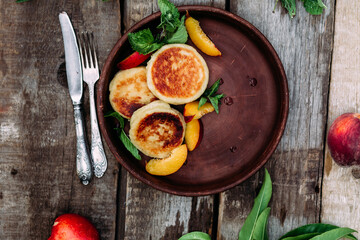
{"x": 176, "y": 74}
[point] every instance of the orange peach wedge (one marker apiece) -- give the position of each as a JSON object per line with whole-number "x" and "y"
{"x": 169, "y": 165}
{"x": 192, "y": 110}
{"x": 193, "y": 134}
{"x": 199, "y": 38}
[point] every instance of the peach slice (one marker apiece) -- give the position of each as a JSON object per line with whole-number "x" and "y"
{"x": 199, "y": 38}
{"x": 192, "y": 110}
{"x": 134, "y": 60}
{"x": 168, "y": 165}
{"x": 193, "y": 134}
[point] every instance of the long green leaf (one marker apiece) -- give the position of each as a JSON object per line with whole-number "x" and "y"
{"x": 318, "y": 228}
{"x": 334, "y": 234}
{"x": 117, "y": 116}
{"x": 261, "y": 202}
{"x": 195, "y": 236}
{"x": 260, "y": 226}
{"x": 305, "y": 236}
{"x": 128, "y": 144}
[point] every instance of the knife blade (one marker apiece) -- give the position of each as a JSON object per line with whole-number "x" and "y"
{"x": 75, "y": 84}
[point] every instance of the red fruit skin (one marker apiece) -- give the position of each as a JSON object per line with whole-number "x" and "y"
{"x": 134, "y": 60}
{"x": 188, "y": 118}
{"x": 74, "y": 227}
{"x": 201, "y": 134}
{"x": 344, "y": 139}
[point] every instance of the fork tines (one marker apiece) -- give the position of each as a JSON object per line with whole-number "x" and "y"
{"x": 87, "y": 50}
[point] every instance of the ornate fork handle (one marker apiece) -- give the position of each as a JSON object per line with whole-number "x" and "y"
{"x": 97, "y": 149}
{"x": 83, "y": 161}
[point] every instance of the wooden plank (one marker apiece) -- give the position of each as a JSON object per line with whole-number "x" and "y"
{"x": 149, "y": 213}
{"x": 38, "y": 180}
{"x": 341, "y": 188}
{"x": 304, "y": 46}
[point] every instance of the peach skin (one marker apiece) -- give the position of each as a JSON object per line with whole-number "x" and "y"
{"x": 168, "y": 165}
{"x": 192, "y": 110}
{"x": 199, "y": 38}
{"x": 193, "y": 134}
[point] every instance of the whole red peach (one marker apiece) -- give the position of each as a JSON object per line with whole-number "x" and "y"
{"x": 344, "y": 139}
{"x": 73, "y": 226}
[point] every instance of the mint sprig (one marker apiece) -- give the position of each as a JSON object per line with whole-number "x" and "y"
{"x": 210, "y": 94}
{"x": 173, "y": 31}
{"x": 122, "y": 135}
{"x": 314, "y": 7}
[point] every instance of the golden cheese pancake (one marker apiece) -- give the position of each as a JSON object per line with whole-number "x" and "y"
{"x": 129, "y": 91}
{"x": 177, "y": 74}
{"x": 156, "y": 129}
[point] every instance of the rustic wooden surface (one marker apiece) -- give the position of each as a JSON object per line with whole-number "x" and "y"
{"x": 341, "y": 186}
{"x": 38, "y": 180}
{"x": 304, "y": 46}
{"x": 37, "y": 138}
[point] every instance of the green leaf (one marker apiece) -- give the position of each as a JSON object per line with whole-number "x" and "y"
{"x": 334, "y": 234}
{"x": 202, "y": 101}
{"x": 305, "y": 236}
{"x": 317, "y": 228}
{"x": 213, "y": 89}
{"x": 195, "y": 236}
{"x": 181, "y": 35}
{"x": 290, "y": 6}
{"x": 117, "y": 116}
{"x": 215, "y": 102}
{"x": 260, "y": 204}
{"x": 169, "y": 16}
{"x": 143, "y": 42}
{"x": 314, "y": 7}
{"x": 260, "y": 226}
{"x": 128, "y": 144}
{"x": 20, "y": 1}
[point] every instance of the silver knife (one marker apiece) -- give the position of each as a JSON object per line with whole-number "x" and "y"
{"x": 75, "y": 83}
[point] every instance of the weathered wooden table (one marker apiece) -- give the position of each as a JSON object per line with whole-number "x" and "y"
{"x": 38, "y": 181}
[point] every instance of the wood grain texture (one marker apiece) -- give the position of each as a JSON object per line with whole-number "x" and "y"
{"x": 341, "y": 190}
{"x": 304, "y": 45}
{"x": 38, "y": 181}
{"x": 149, "y": 213}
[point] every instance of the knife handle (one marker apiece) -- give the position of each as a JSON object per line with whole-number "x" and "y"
{"x": 83, "y": 161}
{"x": 97, "y": 149}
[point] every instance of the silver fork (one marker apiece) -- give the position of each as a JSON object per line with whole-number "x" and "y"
{"x": 90, "y": 70}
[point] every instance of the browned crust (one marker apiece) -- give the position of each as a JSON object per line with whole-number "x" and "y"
{"x": 180, "y": 82}
{"x": 172, "y": 135}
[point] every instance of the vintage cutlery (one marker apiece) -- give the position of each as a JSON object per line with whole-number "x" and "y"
{"x": 91, "y": 75}
{"x": 74, "y": 78}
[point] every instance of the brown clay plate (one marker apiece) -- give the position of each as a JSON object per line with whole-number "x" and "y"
{"x": 239, "y": 140}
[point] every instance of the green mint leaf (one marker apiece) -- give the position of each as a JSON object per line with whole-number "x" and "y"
{"x": 117, "y": 116}
{"x": 219, "y": 96}
{"x": 334, "y": 234}
{"x": 181, "y": 35}
{"x": 169, "y": 16}
{"x": 314, "y": 7}
{"x": 215, "y": 102}
{"x": 260, "y": 231}
{"x": 128, "y": 144}
{"x": 195, "y": 236}
{"x": 202, "y": 101}
{"x": 210, "y": 91}
{"x": 260, "y": 204}
{"x": 290, "y": 6}
{"x": 316, "y": 228}
{"x": 143, "y": 42}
